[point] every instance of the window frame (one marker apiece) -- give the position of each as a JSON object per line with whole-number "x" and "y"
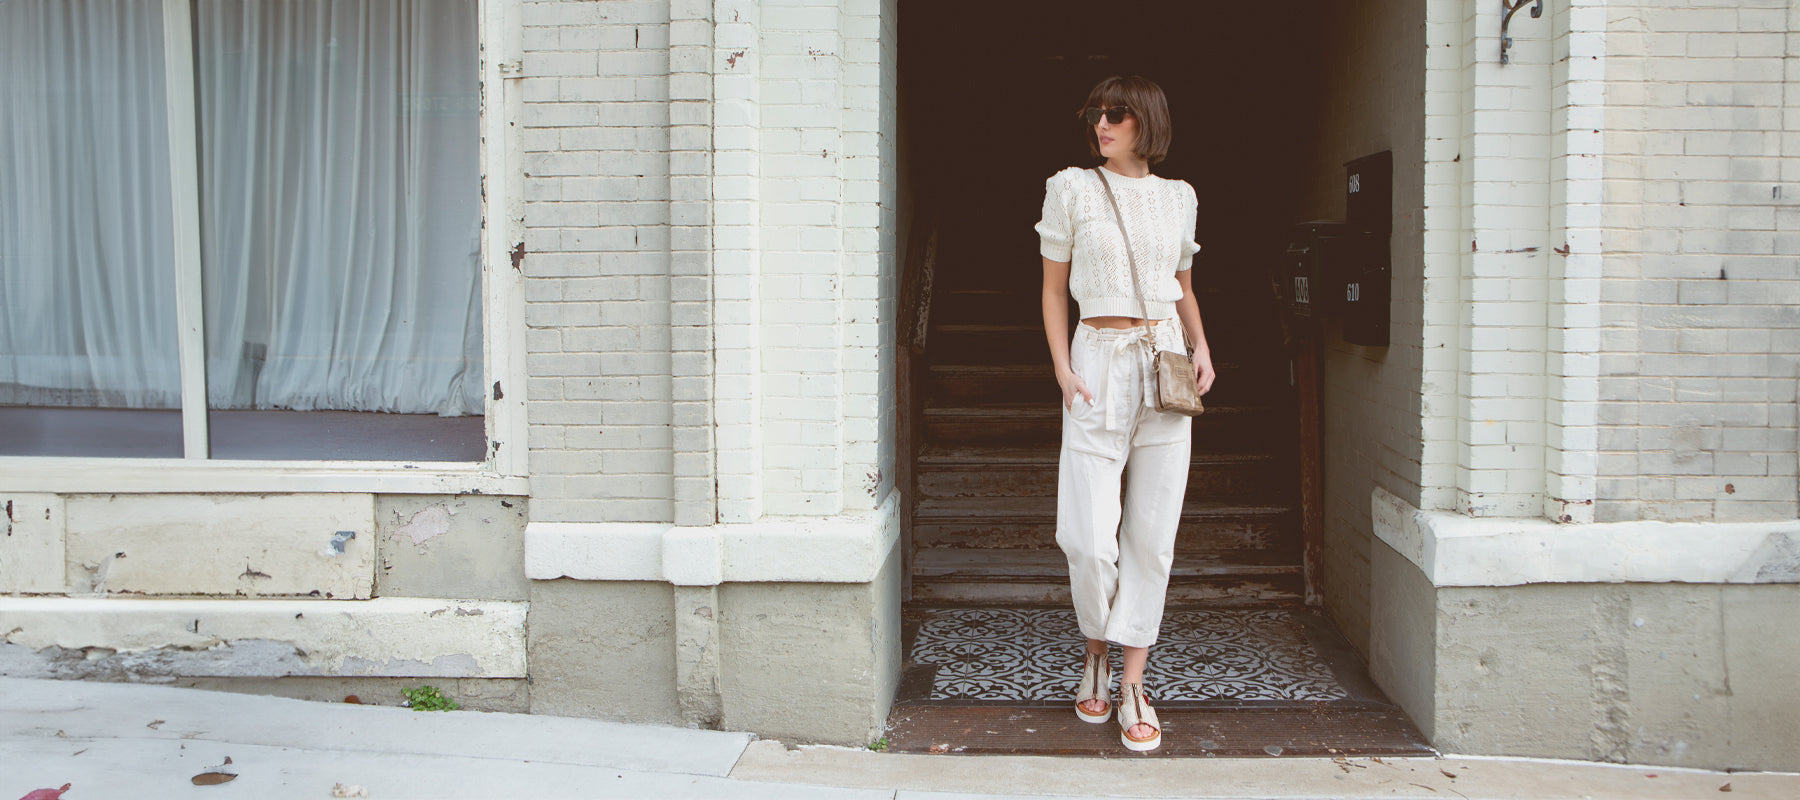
{"x": 502, "y": 471}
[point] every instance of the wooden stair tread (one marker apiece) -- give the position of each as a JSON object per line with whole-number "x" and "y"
{"x": 1030, "y": 296}
{"x": 1043, "y": 509}
{"x": 1049, "y": 454}
{"x": 988, "y": 327}
{"x": 1033, "y": 370}
{"x": 1040, "y": 410}
{"x": 987, "y": 563}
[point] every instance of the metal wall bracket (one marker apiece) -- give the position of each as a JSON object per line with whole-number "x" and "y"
{"x": 1510, "y": 9}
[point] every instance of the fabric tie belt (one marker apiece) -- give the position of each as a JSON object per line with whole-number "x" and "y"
{"x": 1133, "y": 345}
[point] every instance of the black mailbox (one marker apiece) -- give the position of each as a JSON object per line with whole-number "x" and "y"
{"x": 1363, "y": 281}
{"x": 1302, "y": 278}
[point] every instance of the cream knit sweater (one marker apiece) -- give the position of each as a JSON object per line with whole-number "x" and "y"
{"x": 1078, "y": 228}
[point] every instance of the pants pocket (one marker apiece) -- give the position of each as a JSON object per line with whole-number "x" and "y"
{"x": 1084, "y": 423}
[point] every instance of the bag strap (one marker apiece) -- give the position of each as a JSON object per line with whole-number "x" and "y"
{"x": 1131, "y": 262}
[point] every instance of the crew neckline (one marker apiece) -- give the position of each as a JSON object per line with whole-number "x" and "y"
{"x": 1126, "y": 179}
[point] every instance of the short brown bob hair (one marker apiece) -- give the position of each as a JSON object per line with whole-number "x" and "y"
{"x": 1147, "y": 103}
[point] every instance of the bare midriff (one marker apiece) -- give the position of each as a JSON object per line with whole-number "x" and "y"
{"x": 1112, "y": 323}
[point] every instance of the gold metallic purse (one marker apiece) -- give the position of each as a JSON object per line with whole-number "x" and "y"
{"x": 1174, "y": 372}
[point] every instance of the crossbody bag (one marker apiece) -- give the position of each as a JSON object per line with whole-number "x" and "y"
{"x": 1174, "y": 372}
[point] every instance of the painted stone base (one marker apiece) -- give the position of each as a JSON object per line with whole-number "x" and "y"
{"x": 161, "y": 639}
{"x": 1691, "y": 674}
{"x": 802, "y": 662}
{"x": 603, "y": 649}
{"x": 811, "y": 663}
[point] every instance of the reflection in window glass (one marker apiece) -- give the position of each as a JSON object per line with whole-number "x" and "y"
{"x": 341, "y": 213}
{"x": 341, "y": 226}
{"x": 340, "y": 223}
{"x": 87, "y": 279}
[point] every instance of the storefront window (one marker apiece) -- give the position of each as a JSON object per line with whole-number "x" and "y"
{"x": 336, "y": 152}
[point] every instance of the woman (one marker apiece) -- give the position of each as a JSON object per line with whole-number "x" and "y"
{"x": 1119, "y": 573}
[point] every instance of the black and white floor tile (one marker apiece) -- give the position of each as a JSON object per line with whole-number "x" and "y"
{"x": 1029, "y": 655}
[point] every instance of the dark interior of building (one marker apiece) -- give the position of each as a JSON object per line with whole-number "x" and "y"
{"x": 988, "y": 95}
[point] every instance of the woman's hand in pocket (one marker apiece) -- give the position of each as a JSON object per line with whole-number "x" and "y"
{"x": 1072, "y": 385}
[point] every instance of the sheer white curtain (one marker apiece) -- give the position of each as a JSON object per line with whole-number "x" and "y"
{"x": 87, "y": 279}
{"x": 340, "y": 204}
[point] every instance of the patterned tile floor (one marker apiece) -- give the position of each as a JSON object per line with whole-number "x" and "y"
{"x": 1025, "y": 655}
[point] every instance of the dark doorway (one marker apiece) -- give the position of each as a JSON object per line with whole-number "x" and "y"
{"x": 988, "y": 109}
{"x": 988, "y": 97}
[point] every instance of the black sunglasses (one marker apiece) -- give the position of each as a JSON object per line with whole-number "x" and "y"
{"x": 1114, "y": 115}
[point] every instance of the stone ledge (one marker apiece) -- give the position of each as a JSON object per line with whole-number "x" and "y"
{"x": 844, "y": 549}
{"x": 1456, "y": 550}
{"x": 110, "y": 638}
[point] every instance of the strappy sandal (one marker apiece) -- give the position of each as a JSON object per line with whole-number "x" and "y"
{"x": 1134, "y": 709}
{"x": 1096, "y": 684}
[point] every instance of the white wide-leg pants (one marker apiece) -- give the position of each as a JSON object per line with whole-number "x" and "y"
{"x": 1120, "y": 554}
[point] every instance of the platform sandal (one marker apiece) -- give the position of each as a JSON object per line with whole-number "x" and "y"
{"x": 1096, "y": 684}
{"x": 1134, "y": 709}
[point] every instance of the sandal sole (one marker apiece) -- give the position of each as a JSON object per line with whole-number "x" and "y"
{"x": 1140, "y": 747}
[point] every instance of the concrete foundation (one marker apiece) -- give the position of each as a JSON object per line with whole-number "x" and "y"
{"x": 451, "y": 546}
{"x": 1677, "y": 674}
{"x": 297, "y": 545}
{"x": 804, "y": 662}
{"x": 816, "y": 663}
{"x": 130, "y": 639}
{"x": 603, "y": 649}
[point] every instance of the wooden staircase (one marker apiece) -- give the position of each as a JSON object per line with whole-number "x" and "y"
{"x": 985, "y": 469}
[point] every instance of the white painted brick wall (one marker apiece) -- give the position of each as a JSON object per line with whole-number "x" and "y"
{"x": 596, "y": 131}
{"x": 1512, "y": 261}
{"x": 709, "y": 235}
{"x": 1702, "y": 267}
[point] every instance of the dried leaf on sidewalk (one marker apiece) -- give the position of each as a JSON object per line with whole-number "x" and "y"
{"x": 154, "y": 725}
{"x": 214, "y": 776}
{"x": 1725, "y": 788}
{"x": 348, "y": 790}
{"x": 46, "y": 794}
{"x": 1447, "y": 773}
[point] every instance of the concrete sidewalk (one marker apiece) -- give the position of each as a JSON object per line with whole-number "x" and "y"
{"x": 126, "y": 740}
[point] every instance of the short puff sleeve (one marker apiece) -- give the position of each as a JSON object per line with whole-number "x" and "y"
{"x": 1189, "y": 221}
{"x": 1056, "y": 230}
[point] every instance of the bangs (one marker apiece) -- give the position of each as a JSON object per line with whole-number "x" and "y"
{"x": 1109, "y": 93}
{"x": 1147, "y": 104}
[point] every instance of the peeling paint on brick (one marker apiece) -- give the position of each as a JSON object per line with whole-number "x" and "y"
{"x": 426, "y": 525}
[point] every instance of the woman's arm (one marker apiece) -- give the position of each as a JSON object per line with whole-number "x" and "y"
{"x": 1188, "y": 308}
{"x": 1056, "y": 329}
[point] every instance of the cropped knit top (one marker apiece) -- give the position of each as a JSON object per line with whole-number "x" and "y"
{"x": 1078, "y": 228}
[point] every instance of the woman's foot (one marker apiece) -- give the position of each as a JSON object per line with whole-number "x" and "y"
{"x": 1139, "y": 729}
{"x": 1093, "y": 694}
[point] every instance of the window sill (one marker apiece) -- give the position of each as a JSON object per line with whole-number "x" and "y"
{"x": 175, "y": 475}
